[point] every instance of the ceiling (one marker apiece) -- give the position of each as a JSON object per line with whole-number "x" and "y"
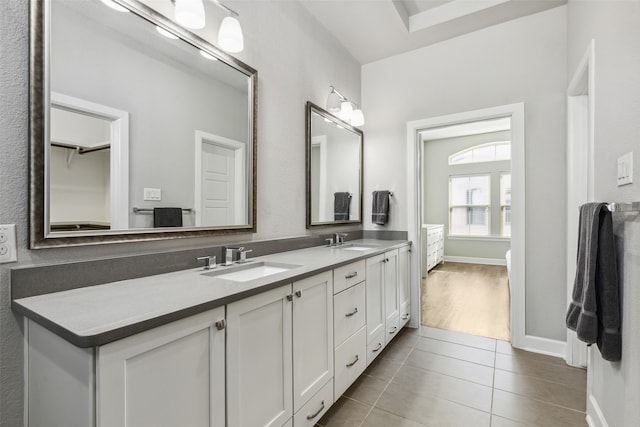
{"x": 376, "y": 29}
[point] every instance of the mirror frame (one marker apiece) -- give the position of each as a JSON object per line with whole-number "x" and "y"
{"x": 313, "y": 108}
{"x": 39, "y": 105}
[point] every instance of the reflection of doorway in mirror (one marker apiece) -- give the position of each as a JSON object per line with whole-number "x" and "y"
{"x": 88, "y": 166}
{"x": 319, "y": 179}
{"x": 220, "y": 181}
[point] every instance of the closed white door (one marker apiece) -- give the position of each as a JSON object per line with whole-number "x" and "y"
{"x": 218, "y": 184}
{"x": 391, "y": 305}
{"x": 312, "y": 336}
{"x": 170, "y": 376}
{"x": 259, "y": 367}
{"x": 375, "y": 296}
{"x": 404, "y": 289}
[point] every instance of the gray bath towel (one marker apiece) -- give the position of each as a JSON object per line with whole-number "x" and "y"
{"x": 380, "y": 207}
{"x": 341, "y": 205}
{"x": 167, "y": 217}
{"x": 594, "y": 312}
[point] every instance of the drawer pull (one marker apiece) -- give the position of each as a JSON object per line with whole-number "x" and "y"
{"x": 290, "y": 297}
{"x": 312, "y": 416}
{"x": 220, "y": 324}
{"x": 298, "y": 294}
{"x": 377, "y": 348}
{"x": 354, "y": 362}
{"x": 351, "y": 275}
{"x": 393, "y": 330}
{"x": 405, "y": 317}
{"x": 352, "y": 313}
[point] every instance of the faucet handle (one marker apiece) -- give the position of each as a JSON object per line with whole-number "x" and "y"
{"x": 243, "y": 254}
{"x": 209, "y": 262}
{"x": 330, "y": 240}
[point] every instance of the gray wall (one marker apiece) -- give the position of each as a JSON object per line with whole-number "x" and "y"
{"x": 523, "y": 60}
{"x": 296, "y": 59}
{"x": 436, "y": 192}
{"x": 615, "y": 27}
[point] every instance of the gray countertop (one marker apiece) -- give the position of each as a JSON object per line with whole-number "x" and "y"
{"x": 97, "y": 315}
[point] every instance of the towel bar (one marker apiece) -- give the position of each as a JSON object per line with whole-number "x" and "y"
{"x": 148, "y": 210}
{"x": 624, "y": 207}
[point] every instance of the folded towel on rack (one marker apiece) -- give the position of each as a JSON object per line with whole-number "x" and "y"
{"x": 594, "y": 312}
{"x": 341, "y": 206}
{"x": 380, "y": 207}
{"x": 167, "y": 217}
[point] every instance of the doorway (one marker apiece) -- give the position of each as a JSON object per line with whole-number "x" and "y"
{"x": 466, "y": 211}
{"x": 415, "y": 162}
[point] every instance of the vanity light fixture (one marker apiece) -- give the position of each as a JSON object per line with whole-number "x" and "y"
{"x": 115, "y": 6}
{"x": 190, "y": 14}
{"x": 339, "y": 105}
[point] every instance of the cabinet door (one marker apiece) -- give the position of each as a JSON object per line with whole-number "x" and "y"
{"x": 172, "y": 375}
{"x": 404, "y": 290}
{"x": 375, "y": 296}
{"x": 259, "y": 381}
{"x": 312, "y": 336}
{"x": 391, "y": 305}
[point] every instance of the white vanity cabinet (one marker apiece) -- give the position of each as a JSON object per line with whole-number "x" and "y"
{"x": 259, "y": 359}
{"x": 383, "y": 305}
{"x": 170, "y": 375}
{"x": 404, "y": 284}
{"x": 432, "y": 246}
{"x": 280, "y": 354}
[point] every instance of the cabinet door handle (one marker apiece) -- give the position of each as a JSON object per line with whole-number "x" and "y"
{"x": 312, "y": 416}
{"x": 354, "y": 362}
{"x": 352, "y": 313}
{"x": 351, "y": 275}
{"x": 290, "y": 297}
{"x": 377, "y": 348}
{"x": 298, "y": 294}
{"x": 393, "y": 331}
{"x": 220, "y": 324}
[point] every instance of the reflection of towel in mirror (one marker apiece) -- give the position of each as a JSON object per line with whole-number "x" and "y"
{"x": 167, "y": 217}
{"x": 594, "y": 312}
{"x": 341, "y": 205}
{"x": 380, "y": 207}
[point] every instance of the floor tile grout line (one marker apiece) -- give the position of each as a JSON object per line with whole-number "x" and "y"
{"x": 452, "y": 376}
{"x": 539, "y": 378}
{"x": 387, "y": 386}
{"x": 540, "y": 400}
{"x": 454, "y": 357}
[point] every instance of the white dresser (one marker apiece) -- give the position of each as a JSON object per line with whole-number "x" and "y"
{"x": 432, "y": 246}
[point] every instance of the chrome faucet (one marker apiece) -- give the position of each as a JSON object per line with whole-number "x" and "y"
{"x": 227, "y": 252}
{"x": 243, "y": 255}
{"x": 339, "y": 238}
{"x": 209, "y": 262}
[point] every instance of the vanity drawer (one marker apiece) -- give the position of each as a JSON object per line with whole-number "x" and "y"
{"x": 350, "y": 361}
{"x": 375, "y": 347}
{"x": 348, "y": 275}
{"x": 348, "y": 312}
{"x": 315, "y": 408}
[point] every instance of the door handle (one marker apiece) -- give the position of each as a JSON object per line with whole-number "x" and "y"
{"x": 351, "y": 275}
{"x": 312, "y": 416}
{"x": 354, "y": 362}
{"x": 352, "y": 313}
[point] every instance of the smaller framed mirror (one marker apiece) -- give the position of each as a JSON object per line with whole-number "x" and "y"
{"x": 334, "y": 169}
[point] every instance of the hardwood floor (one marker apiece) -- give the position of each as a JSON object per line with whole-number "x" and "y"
{"x": 432, "y": 377}
{"x": 469, "y": 298}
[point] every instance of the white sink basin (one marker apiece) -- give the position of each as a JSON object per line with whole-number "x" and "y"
{"x": 250, "y": 271}
{"x": 352, "y": 247}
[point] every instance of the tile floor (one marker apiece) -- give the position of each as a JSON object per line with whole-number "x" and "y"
{"x": 433, "y": 377}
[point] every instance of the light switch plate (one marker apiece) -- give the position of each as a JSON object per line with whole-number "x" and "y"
{"x": 625, "y": 169}
{"x": 153, "y": 194}
{"x": 8, "y": 245}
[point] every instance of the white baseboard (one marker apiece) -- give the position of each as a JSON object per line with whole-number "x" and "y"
{"x": 595, "y": 417}
{"x": 472, "y": 260}
{"x": 541, "y": 345}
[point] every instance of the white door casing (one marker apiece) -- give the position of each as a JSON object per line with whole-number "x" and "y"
{"x": 119, "y": 173}
{"x": 414, "y": 183}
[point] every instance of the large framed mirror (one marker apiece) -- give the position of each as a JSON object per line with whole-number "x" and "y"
{"x": 334, "y": 169}
{"x": 139, "y": 129}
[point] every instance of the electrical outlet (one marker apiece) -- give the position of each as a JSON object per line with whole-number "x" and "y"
{"x": 153, "y": 194}
{"x": 8, "y": 245}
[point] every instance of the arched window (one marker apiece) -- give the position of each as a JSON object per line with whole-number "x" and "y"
{"x": 493, "y": 151}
